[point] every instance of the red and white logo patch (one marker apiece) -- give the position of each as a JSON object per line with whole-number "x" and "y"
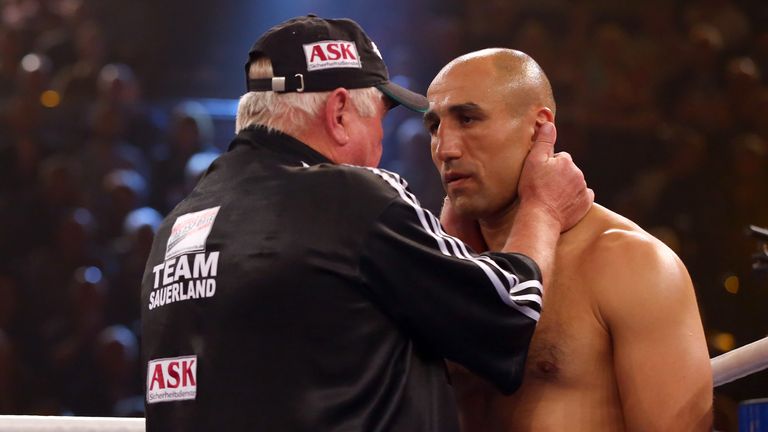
{"x": 172, "y": 379}
{"x": 331, "y": 54}
{"x": 190, "y": 232}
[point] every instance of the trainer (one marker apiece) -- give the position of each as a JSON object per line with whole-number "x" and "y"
{"x": 299, "y": 288}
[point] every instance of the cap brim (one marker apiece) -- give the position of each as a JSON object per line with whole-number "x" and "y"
{"x": 404, "y": 97}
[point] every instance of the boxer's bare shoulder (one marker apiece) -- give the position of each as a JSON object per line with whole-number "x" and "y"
{"x": 619, "y": 316}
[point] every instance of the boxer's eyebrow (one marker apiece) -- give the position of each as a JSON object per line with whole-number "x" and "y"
{"x": 468, "y": 108}
{"x": 430, "y": 117}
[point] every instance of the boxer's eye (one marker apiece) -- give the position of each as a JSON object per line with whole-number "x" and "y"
{"x": 432, "y": 127}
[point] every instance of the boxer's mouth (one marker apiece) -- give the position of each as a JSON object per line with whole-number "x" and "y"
{"x": 452, "y": 178}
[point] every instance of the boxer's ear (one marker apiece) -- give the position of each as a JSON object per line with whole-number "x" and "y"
{"x": 544, "y": 115}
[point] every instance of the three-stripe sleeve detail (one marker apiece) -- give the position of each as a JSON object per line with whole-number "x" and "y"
{"x": 522, "y": 296}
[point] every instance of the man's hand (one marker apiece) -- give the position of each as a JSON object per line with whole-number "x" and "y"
{"x": 465, "y": 229}
{"x": 552, "y": 196}
{"x": 553, "y": 183}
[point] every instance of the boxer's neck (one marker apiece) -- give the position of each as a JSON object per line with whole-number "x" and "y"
{"x": 496, "y": 228}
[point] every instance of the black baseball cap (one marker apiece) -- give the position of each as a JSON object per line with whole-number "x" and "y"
{"x": 312, "y": 54}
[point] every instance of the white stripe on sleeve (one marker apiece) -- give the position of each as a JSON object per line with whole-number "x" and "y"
{"x": 431, "y": 226}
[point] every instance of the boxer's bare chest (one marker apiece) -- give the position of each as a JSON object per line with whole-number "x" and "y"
{"x": 570, "y": 380}
{"x": 570, "y": 345}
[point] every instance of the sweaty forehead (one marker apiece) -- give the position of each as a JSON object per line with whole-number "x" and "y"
{"x": 463, "y": 72}
{"x": 464, "y": 84}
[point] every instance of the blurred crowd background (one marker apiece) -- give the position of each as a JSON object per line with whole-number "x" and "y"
{"x": 111, "y": 110}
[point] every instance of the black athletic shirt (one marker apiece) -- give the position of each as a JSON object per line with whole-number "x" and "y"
{"x": 288, "y": 293}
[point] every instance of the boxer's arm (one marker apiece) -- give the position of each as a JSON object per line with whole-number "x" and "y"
{"x": 648, "y": 304}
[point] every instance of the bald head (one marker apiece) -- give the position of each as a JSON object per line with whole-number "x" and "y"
{"x": 485, "y": 109}
{"x": 511, "y": 74}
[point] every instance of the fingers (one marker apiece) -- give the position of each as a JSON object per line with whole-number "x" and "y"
{"x": 468, "y": 230}
{"x": 544, "y": 142}
{"x": 554, "y": 181}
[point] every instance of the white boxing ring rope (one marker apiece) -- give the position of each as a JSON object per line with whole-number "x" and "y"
{"x": 740, "y": 362}
{"x": 728, "y": 367}
{"x": 14, "y": 423}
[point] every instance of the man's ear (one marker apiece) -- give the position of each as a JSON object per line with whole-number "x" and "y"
{"x": 544, "y": 115}
{"x": 336, "y": 111}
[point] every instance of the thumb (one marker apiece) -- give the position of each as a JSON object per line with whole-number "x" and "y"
{"x": 544, "y": 141}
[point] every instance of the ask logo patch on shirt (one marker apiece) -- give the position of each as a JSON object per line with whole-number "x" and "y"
{"x": 172, "y": 379}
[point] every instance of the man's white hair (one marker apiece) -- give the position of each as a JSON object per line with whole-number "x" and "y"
{"x": 292, "y": 112}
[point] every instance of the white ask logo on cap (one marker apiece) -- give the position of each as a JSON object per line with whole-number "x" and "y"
{"x": 331, "y": 54}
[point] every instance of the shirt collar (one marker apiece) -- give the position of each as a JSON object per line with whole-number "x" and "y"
{"x": 280, "y": 143}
